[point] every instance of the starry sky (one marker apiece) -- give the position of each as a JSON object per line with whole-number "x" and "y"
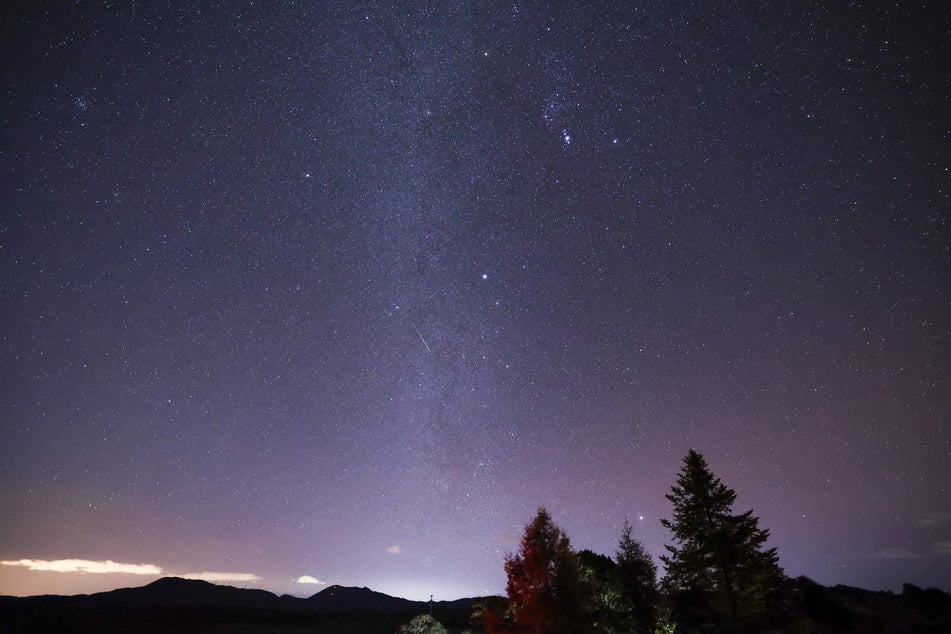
{"x": 298, "y": 293}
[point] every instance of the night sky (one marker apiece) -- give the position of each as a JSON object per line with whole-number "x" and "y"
{"x": 343, "y": 292}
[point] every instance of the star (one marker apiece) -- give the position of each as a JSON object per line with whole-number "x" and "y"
{"x": 236, "y": 309}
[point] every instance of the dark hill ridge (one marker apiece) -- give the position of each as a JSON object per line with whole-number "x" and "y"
{"x": 855, "y": 610}
{"x": 173, "y": 604}
{"x": 177, "y": 605}
{"x": 343, "y": 599}
{"x": 167, "y": 591}
{"x": 178, "y": 592}
{"x": 175, "y": 591}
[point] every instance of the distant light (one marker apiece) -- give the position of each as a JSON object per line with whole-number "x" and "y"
{"x": 640, "y": 517}
{"x": 485, "y": 276}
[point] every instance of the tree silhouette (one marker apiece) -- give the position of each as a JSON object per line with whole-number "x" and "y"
{"x": 423, "y": 624}
{"x": 717, "y": 571}
{"x": 542, "y": 580}
{"x": 637, "y": 579}
{"x": 599, "y": 593}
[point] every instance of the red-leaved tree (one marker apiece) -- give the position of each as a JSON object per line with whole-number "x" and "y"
{"x": 542, "y": 581}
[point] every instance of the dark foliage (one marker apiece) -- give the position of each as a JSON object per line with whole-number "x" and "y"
{"x": 599, "y": 593}
{"x": 719, "y": 575}
{"x": 637, "y": 578}
{"x": 619, "y": 595}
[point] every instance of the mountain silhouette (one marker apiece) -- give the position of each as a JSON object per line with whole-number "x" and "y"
{"x": 173, "y": 604}
{"x": 167, "y": 591}
{"x": 178, "y": 592}
{"x": 345, "y": 599}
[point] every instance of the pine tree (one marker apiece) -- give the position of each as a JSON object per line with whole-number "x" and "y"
{"x": 717, "y": 570}
{"x": 543, "y": 579}
{"x": 637, "y": 575}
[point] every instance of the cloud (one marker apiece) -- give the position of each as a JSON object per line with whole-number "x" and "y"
{"x": 85, "y": 565}
{"x": 309, "y": 579}
{"x": 942, "y": 548}
{"x": 221, "y": 576}
{"x": 894, "y": 553}
{"x": 394, "y": 549}
{"x": 112, "y": 567}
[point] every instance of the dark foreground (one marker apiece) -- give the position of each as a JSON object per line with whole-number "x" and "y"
{"x": 176, "y": 605}
{"x": 179, "y": 605}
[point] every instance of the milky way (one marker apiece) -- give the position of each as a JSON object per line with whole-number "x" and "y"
{"x": 342, "y": 294}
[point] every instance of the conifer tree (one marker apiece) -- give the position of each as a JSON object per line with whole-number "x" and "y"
{"x": 718, "y": 571}
{"x": 543, "y": 579}
{"x": 637, "y": 576}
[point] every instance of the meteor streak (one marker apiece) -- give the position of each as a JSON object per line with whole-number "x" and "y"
{"x": 421, "y": 338}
